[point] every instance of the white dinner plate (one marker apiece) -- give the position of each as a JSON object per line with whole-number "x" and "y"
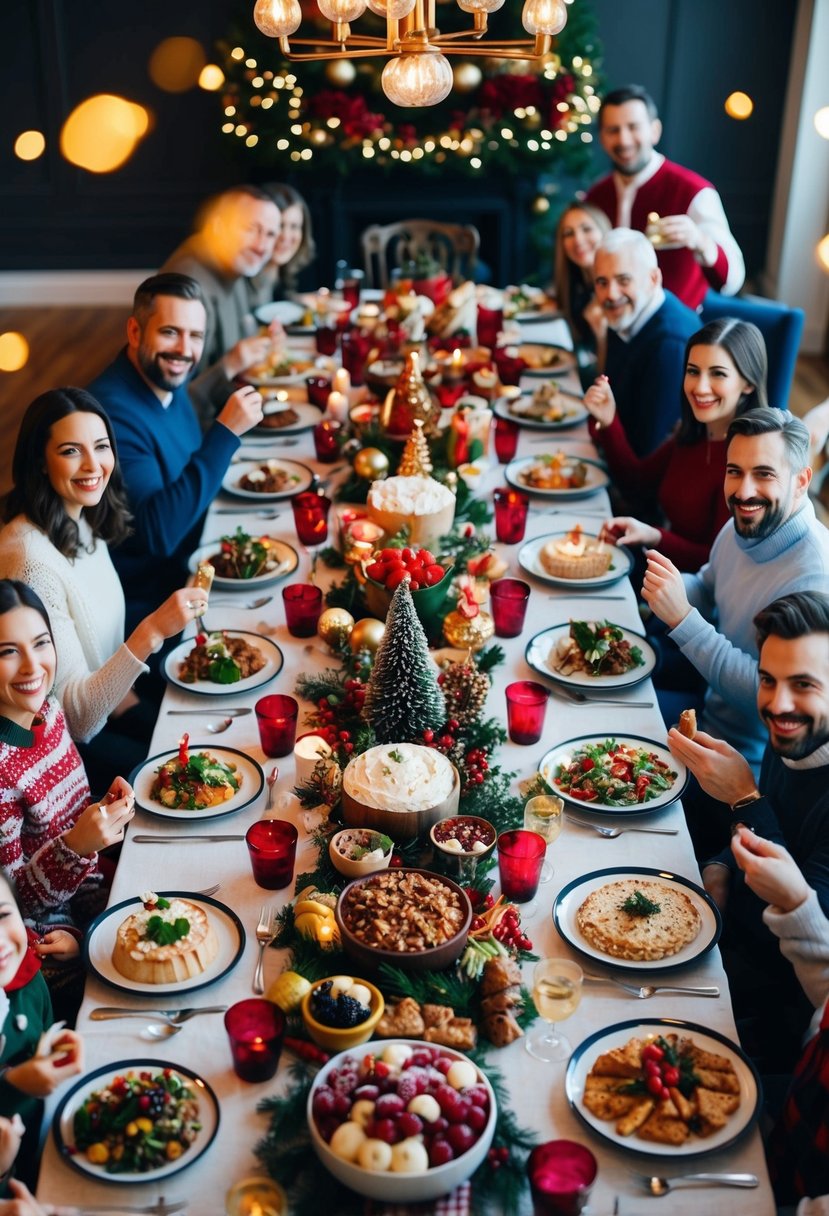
{"x": 307, "y": 417}
{"x": 541, "y": 656}
{"x": 586, "y": 1054}
{"x": 273, "y": 665}
{"x": 300, "y": 478}
{"x": 71, "y": 1102}
{"x": 530, "y": 562}
{"x": 596, "y": 477}
{"x": 286, "y": 312}
{"x": 252, "y": 783}
{"x": 101, "y": 934}
{"x": 571, "y": 402}
{"x": 552, "y": 360}
{"x": 562, "y": 754}
{"x": 570, "y": 898}
{"x": 288, "y": 562}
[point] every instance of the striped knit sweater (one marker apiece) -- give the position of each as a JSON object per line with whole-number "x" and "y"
{"x": 43, "y": 790}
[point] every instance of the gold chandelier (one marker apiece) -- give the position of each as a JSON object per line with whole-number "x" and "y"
{"x": 417, "y": 72}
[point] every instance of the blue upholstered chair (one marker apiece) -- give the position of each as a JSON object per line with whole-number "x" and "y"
{"x": 781, "y": 327}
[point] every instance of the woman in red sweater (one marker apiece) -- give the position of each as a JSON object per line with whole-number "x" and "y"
{"x": 725, "y": 376}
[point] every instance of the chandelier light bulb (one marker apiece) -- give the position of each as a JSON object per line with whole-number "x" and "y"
{"x": 480, "y": 6}
{"x": 544, "y": 16}
{"x": 396, "y": 10}
{"x": 420, "y": 79}
{"x": 277, "y": 18}
{"x": 342, "y": 11}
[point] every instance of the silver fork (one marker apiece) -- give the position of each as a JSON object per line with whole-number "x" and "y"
{"x": 580, "y": 698}
{"x": 612, "y": 833}
{"x": 265, "y": 933}
{"x": 643, "y": 991}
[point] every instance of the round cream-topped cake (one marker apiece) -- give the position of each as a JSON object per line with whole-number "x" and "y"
{"x": 144, "y": 951}
{"x": 423, "y": 505}
{"x": 400, "y": 777}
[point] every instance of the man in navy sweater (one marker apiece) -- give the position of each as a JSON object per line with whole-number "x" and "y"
{"x": 648, "y": 328}
{"x": 171, "y": 470}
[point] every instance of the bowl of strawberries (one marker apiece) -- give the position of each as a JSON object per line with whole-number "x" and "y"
{"x": 429, "y": 581}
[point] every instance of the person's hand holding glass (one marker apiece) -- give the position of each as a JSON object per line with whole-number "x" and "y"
{"x": 542, "y": 814}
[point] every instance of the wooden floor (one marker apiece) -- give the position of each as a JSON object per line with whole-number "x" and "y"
{"x": 70, "y": 346}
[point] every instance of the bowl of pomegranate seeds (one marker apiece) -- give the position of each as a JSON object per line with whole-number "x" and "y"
{"x": 467, "y": 837}
{"x": 404, "y": 1125}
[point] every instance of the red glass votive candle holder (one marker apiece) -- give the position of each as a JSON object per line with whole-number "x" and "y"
{"x": 508, "y": 601}
{"x": 490, "y": 323}
{"x": 511, "y": 509}
{"x": 318, "y": 388}
{"x": 311, "y": 517}
{"x": 355, "y": 347}
{"x": 506, "y": 439}
{"x": 350, "y": 286}
{"x": 526, "y": 707}
{"x": 520, "y": 858}
{"x": 325, "y": 339}
{"x": 255, "y": 1029}
{"x": 303, "y": 607}
{"x": 276, "y": 717}
{"x": 561, "y": 1174}
{"x": 272, "y": 850}
{"x": 327, "y": 435}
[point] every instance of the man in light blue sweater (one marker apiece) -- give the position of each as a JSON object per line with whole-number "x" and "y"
{"x": 773, "y": 545}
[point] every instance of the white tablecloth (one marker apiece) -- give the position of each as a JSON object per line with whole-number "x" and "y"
{"x": 537, "y": 1089}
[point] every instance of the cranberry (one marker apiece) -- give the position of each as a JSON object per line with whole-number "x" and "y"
{"x": 440, "y": 1151}
{"x": 409, "y": 1125}
{"x": 370, "y": 1092}
{"x": 389, "y": 1105}
{"x": 461, "y": 1137}
{"x": 476, "y": 1118}
{"x": 323, "y": 1103}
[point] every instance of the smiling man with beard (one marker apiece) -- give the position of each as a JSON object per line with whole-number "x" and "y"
{"x": 171, "y": 470}
{"x": 789, "y": 803}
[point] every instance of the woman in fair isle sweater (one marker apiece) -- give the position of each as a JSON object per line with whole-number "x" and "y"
{"x": 50, "y": 832}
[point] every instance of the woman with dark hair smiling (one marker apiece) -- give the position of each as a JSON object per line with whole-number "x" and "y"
{"x": 294, "y": 248}
{"x": 66, "y": 508}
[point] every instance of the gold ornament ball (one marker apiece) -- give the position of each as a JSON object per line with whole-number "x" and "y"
{"x": 367, "y": 635}
{"x": 467, "y": 76}
{"x": 340, "y": 72}
{"x": 335, "y": 626}
{"x": 371, "y": 464}
{"x": 541, "y": 204}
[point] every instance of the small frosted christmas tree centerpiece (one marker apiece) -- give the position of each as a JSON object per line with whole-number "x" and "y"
{"x": 403, "y": 698}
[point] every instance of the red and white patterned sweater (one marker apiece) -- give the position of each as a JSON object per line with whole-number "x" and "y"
{"x": 43, "y": 790}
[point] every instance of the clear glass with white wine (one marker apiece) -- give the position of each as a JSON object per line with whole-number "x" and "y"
{"x": 543, "y": 814}
{"x": 557, "y": 988}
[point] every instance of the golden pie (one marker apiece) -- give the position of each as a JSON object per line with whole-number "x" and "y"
{"x": 638, "y": 918}
{"x": 143, "y": 953}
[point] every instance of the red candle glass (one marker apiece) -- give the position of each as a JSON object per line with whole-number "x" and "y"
{"x": 255, "y": 1029}
{"x": 510, "y": 515}
{"x": 350, "y": 285}
{"x": 506, "y": 439}
{"x": 276, "y": 717}
{"x": 318, "y": 389}
{"x": 325, "y": 339}
{"x": 303, "y": 606}
{"x": 272, "y": 849}
{"x": 327, "y": 435}
{"x": 561, "y": 1174}
{"x": 355, "y": 347}
{"x": 490, "y": 324}
{"x": 508, "y": 601}
{"x": 520, "y": 858}
{"x": 526, "y": 707}
{"x": 311, "y": 516}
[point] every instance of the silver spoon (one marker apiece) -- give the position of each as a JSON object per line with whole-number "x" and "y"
{"x": 156, "y": 1031}
{"x": 271, "y": 780}
{"x": 662, "y": 1186}
{"x": 218, "y": 728}
{"x": 258, "y": 603}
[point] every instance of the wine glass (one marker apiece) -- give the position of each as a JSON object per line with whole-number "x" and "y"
{"x": 557, "y": 986}
{"x": 542, "y": 814}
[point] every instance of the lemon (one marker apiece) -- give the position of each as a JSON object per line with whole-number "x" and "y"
{"x": 287, "y": 990}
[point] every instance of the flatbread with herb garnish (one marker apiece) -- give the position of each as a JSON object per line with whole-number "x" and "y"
{"x": 637, "y": 918}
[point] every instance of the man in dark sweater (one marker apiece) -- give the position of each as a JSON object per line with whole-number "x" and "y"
{"x": 648, "y": 328}
{"x": 171, "y": 471}
{"x": 789, "y": 804}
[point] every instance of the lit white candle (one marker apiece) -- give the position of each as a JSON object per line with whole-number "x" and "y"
{"x": 337, "y": 407}
{"x": 341, "y": 382}
{"x": 307, "y": 751}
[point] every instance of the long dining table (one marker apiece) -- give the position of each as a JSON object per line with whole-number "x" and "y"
{"x": 536, "y": 1089}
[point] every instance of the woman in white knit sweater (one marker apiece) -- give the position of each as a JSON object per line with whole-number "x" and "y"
{"x": 66, "y": 508}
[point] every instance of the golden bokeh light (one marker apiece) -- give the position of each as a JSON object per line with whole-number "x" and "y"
{"x": 739, "y": 106}
{"x": 822, "y": 252}
{"x": 175, "y": 64}
{"x": 14, "y": 351}
{"x": 821, "y": 121}
{"x": 211, "y": 77}
{"x": 101, "y": 133}
{"x": 29, "y": 145}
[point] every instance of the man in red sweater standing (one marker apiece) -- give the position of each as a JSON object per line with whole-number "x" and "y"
{"x": 680, "y": 211}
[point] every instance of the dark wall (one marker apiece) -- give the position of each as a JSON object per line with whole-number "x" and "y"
{"x": 689, "y": 53}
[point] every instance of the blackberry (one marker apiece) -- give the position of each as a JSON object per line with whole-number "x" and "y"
{"x": 349, "y": 1012}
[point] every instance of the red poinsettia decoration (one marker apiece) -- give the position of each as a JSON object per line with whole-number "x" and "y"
{"x": 356, "y": 120}
{"x": 505, "y": 94}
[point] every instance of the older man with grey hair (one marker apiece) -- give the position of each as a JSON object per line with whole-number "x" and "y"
{"x": 648, "y": 328}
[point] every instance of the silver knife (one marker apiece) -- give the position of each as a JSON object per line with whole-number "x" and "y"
{"x": 221, "y": 712}
{"x": 105, "y": 1013}
{"x": 142, "y": 839}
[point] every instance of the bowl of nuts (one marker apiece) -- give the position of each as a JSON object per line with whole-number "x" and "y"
{"x": 404, "y": 1126}
{"x": 342, "y": 1012}
{"x": 411, "y": 919}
